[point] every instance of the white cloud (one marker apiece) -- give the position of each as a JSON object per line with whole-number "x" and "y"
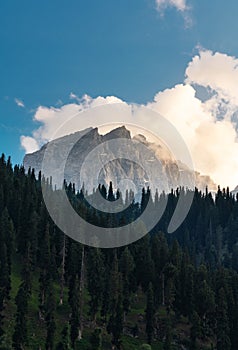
{"x": 180, "y": 5}
{"x": 207, "y": 126}
{"x": 217, "y": 71}
{"x": 211, "y": 142}
{"x": 73, "y": 96}
{"x": 29, "y": 144}
{"x": 19, "y": 102}
{"x": 52, "y": 118}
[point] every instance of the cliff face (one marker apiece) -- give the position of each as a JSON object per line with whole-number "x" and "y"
{"x": 162, "y": 175}
{"x": 235, "y": 191}
{"x": 58, "y": 147}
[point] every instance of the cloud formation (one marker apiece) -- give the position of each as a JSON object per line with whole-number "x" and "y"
{"x": 29, "y": 143}
{"x": 180, "y": 5}
{"x": 216, "y": 71}
{"x": 19, "y": 102}
{"x": 208, "y": 125}
{"x": 52, "y": 118}
{"x": 73, "y": 96}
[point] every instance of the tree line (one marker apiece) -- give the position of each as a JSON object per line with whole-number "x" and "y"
{"x": 166, "y": 290}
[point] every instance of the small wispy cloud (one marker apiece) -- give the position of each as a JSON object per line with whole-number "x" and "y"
{"x": 179, "y": 5}
{"x": 59, "y": 102}
{"x": 73, "y": 96}
{"x": 19, "y": 103}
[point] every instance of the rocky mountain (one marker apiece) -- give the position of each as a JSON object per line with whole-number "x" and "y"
{"x": 235, "y": 191}
{"x": 129, "y": 162}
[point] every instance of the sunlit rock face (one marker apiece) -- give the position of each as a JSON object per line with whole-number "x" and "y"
{"x": 105, "y": 158}
{"x": 235, "y": 191}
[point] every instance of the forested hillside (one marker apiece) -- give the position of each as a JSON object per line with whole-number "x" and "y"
{"x": 172, "y": 291}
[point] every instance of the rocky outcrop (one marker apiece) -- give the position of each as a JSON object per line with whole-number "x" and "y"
{"x": 152, "y": 163}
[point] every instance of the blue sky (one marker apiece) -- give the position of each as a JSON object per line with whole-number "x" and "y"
{"x": 130, "y": 49}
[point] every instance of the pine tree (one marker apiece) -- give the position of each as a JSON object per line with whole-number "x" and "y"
{"x": 2, "y": 306}
{"x": 62, "y": 274}
{"x": 64, "y": 344}
{"x": 110, "y": 196}
{"x": 75, "y": 312}
{"x": 127, "y": 267}
{"x": 50, "y": 321}
{"x": 7, "y": 228}
{"x": 115, "y": 323}
{"x": 150, "y": 314}
{"x": 96, "y": 339}
{"x": 6, "y": 247}
{"x": 168, "y": 335}
{"x": 20, "y": 337}
{"x": 143, "y": 262}
{"x": 195, "y": 331}
{"x": 95, "y": 271}
{"x": 204, "y": 295}
{"x": 4, "y": 276}
{"x": 160, "y": 256}
{"x": 45, "y": 275}
{"x": 222, "y": 331}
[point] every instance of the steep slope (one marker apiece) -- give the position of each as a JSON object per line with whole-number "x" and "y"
{"x": 131, "y": 163}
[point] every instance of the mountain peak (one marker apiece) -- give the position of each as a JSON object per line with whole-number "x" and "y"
{"x": 120, "y": 132}
{"x": 85, "y": 141}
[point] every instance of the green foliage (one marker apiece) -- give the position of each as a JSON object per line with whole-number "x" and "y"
{"x": 150, "y": 314}
{"x": 195, "y": 330}
{"x": 96, "y": 339}
{"x": 145, "y": 347}
{"x": 65, "y": 342}
{"x": 75, "y": 312}
{"x": 20, "y": 336}
{"x": 82, "y": 344}
{"x": 166, "y": 285}
{"x": 223, "y": 330}
{"x": 95, "y": 272}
